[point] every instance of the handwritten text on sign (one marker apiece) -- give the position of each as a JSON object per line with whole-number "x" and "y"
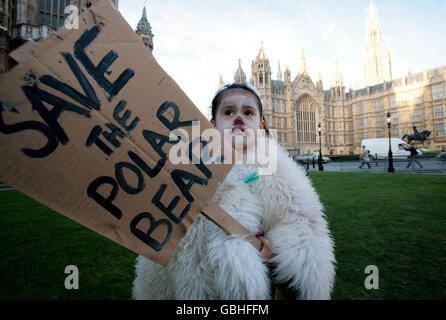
{"x": 109, "y": 137}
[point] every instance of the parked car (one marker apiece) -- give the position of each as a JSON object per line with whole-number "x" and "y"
{"x": 308, "y": 157}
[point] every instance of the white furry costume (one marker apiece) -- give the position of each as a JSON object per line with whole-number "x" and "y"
{"x": 209, "y": 264}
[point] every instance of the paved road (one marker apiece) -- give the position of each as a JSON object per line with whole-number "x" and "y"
{"x": 4, "y": 187}
{"x": 430, "y": 165}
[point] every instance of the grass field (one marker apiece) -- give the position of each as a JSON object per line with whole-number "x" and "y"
{"x": 396, "y": 222}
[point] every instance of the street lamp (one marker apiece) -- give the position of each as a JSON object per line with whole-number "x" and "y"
{"x": 319, "y": 160}
{"x": 391, "y": 168}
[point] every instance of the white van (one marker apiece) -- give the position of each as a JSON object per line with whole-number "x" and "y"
{"x": 380, "y": 147}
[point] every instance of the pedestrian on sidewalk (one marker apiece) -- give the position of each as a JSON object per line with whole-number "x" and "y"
{"x": 364, "y": 157}
{"x": 413, "y": 155}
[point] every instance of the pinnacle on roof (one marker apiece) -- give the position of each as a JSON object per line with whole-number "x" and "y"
{"x": 279, "y": 73}
{"x": 240, "y": 76}
{"x": 373, "y": 16}
{"x": 338, "y": 79}
{"x": 262, "y": 56}
{"x": 144, "y": 25}
{"x": 220, "y": 82}
{"x": 376, "y": 57}
{"x": 303, "y": 60}
{"x": 374, "y": 26}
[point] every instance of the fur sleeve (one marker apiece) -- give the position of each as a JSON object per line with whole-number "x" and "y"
{"x": 295, "y": 224}
{"x": 239, "y": 272}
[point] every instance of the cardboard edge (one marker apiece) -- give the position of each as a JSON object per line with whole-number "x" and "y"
{"x": 24, "y": 52}
{"x": 225, "y": 221}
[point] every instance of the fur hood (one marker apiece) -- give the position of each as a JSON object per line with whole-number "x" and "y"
{"x": 209, "y": 264}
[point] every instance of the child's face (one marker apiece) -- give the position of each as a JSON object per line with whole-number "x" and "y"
{"x": 238, "y": 110}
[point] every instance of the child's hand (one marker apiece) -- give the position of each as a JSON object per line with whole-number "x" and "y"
{"x": 265, "y": 251}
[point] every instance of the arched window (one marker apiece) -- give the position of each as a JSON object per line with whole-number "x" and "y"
{"x": 306, "y": 120}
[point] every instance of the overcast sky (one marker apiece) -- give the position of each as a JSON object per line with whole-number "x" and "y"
{"x": 197, "y": 40}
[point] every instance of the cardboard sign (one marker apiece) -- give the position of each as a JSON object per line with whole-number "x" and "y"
{"x": 84, "y": 129}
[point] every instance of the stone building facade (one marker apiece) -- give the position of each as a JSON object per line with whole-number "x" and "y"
{"x": 7, "y": 18}
{"x": 295, "y": 107}
{"x": 23, "y": 20}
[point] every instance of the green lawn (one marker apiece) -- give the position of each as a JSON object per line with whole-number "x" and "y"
{"x": 394, "y": 221}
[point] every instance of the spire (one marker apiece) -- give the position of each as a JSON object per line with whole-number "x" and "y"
{"x": 240, "y": 76}
{"x": 337, "y": 85}
{"x": 374, "y": 29}
{"x": 220, "y": 82}
{"x": 376, "y": 60}
{"x": 145, "y": 30}
{"x": 373, "y": 22}
{"x": 303, "y": 62}
{"x": 261, "y": 70}
{"x": 287, "y": 75}
{"x": 319, "y": 83}
{"x": 261, "y": 56}
{"x": 279, "y": 73}
{"x": 338, "y": 79}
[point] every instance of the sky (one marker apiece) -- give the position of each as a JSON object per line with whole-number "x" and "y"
{"x": 197, "y": 40}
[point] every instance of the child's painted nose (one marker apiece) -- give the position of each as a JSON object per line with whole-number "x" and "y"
{"x": 238, "y": 120}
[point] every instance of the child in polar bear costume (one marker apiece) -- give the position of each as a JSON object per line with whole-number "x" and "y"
{"x": 284, "y": 207}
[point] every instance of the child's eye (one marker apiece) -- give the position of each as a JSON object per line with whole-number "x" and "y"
{"x": 249, "y": 113}
{"x": 228, "y": 113}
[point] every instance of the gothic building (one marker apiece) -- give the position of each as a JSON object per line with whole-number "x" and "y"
{"x": 295, "y": 107}
{"x": 22, "y": 20}
{"x": 7, "y": 8}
